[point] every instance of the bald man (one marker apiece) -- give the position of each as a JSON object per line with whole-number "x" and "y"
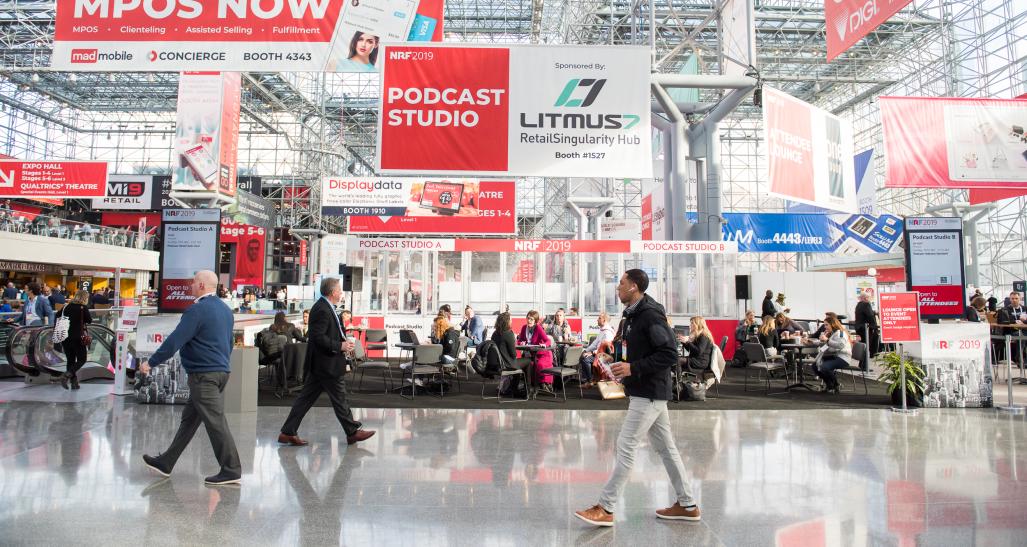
{"x": 203, "y": 338}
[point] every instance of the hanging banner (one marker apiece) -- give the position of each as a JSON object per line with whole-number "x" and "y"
{"x": 866, "y": 188}
{"x": 250, "y": 244}
{"x": 47, "y": 179}
{"x": 207, "y": 134}
{"x": 236, "y": 35}
{"x": 131, "y": 193}
{"x": 811, "y": 233}
{"x": 629, "y": 228}
{"x": 808, "y": 153}
{"x": 249, "y": 184}
{"x": 934, "y": 265}
{"x": 421, "y": 206}
{"x": 955, "y": 143}
{"x": 538, "y": 246}
{"x": 900, "y": 317}
{"x": 956, "y": 365}
{"x": 848, "y": 21}
{"x": 555, "y": 111}
{"x": 251, "y": 210}
{"x": 189, "y": 243}
{"x": 654, "y": 215}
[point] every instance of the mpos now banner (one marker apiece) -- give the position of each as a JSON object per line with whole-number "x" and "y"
{"x": 515, "y": 110}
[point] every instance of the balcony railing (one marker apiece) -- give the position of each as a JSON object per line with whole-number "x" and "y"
{"x": 47, "y": 226}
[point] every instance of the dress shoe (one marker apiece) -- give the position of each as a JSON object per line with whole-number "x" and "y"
{"x": 157, "y": 465}
{"x": 294, "y": 440}
{"x": 361, "y": 435}
{"x": 221, "y": 479}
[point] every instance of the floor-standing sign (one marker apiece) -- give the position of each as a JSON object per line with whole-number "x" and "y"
{"x": 934, "y": 265}
{"x": 123, "y": 360}
{"x": 189, "y": 243}
{"x": 900, "y": 323}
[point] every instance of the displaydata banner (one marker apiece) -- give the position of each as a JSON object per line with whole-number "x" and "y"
{"x": 934, "y": 265}
{"x": 189, "y": 243}
{"x": 810, "y": 153}
{"x": 955, "y": 143}
{"x": 812, "y": 233}
{"x": 236, "y": 35}
{"x": 421, "y": 206}
{"x": 562, "y": 111}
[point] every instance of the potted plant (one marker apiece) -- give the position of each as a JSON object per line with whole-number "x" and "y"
{"x": 892, "y": 375}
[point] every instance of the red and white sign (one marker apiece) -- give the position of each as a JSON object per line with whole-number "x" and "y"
{"x": 654, "y": 215}
{"x": 207, "y": 134}
{"x": 235, "y": 35}
{"x": 567, "y": 111}
{"x": 955, "y": 143}
{"x": 544, "y": 246}
{"x": 809, "y": 153}
{"x": 900, "y": 317}
{"x": 303, "y": 252}
{"x": 250, "y": 243}
{"x": 53, "y": 179}
{"x": 848, "y": 21}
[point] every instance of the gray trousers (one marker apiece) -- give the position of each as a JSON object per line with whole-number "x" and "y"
{"x": 652, "y": 417}
{"x": 206, "y": 405}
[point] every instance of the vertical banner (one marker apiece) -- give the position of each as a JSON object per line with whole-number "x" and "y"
{"x": 954, "y": 358}
{"x": 207, "y": 133}
{"x": 246, "y": 225}
{"x": 654, "y": 215}
{"x": 808, "y": 153}
{"x": 189, "y": 243}
{"x": 900, "y": 317}
{"x": 934, "y": 265}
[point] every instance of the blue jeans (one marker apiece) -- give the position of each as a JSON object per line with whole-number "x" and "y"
{"x": 650, "y": 417}
{"x": 828, "y": 365}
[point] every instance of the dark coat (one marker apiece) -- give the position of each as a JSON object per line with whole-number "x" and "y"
{"x": 652, "y": 351}
{"x": 325, "y": 357}
{"x": 768, "y": 307}
{"x": 78, "y": 317}
{"x": 865, "y": 316}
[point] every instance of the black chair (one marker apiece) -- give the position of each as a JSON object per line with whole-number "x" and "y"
{"x": 565, "y": 373}
{"x": 377, "y": 340}
{"x": 764, "y": 364}
{"x": 700, "y": 373}
{"x": 723, "y": 344}
{"x": 361, "y": 364}
{"x": 454, "y": 366}
{"x": 861, "y": 357}
{"x": 425, "y": 364}
{"x": 407, "y": 336}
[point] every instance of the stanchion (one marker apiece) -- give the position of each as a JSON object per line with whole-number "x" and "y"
{"x": 1010, "y": 407}
{"x": 902, "y": 385}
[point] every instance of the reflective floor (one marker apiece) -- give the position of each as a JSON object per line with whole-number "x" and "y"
{"x": 71, "y": 473}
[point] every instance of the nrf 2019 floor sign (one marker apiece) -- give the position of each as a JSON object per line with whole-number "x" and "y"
{"x": 515, "y": 110}
{"x": 189, "y": 243}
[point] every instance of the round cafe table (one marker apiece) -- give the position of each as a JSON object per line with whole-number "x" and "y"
{"x": 793, "y": 351}
{"x": 533, "y": 350}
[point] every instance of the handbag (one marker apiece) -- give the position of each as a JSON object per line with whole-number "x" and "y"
{"x": 60, "y": 328}
{"x": 86, "y": 339}
{"x": 695, "y": 391}
{"x": 611, "y": 390}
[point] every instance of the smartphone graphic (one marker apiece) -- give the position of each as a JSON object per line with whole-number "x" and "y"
{"x": 862, "y": 226}
{"x": 442, "y": 197}
{"x": 202, "y": 164}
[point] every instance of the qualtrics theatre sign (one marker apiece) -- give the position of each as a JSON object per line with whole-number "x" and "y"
{"x": 519, "y": 110}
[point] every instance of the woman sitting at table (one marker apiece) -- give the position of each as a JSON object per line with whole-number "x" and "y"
{"x": 503, "y": 337}
{"x": 606, "y": 335}
{"x": 560, "y": 331}
{"x": 346, "y": 318}
{"x": 786, "y": 328}
{"x": 533, "y": 334}
{"x": 768, "y": 336}
{"x": 699, "y": 344}
{"x": 836, "y": 353}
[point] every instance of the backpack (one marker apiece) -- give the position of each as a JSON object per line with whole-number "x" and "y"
{"x": 451, "y": 343}
{"x": 488, "y": 361}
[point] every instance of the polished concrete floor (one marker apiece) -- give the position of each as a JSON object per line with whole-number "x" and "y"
{"x": 71, "y": 473}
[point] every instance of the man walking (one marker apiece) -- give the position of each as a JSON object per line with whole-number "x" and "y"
{"x": 651, "y": 352}
{"x": 327, "y": 351}
{"x": 204, "y": 339}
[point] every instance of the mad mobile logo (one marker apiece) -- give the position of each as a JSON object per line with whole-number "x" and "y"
{"x": 579, "y": 93}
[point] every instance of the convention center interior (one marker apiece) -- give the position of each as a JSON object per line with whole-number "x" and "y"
{"x": 513, "y": 272}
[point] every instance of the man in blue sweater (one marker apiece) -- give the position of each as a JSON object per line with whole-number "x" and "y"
{"x": 203, "y": 338}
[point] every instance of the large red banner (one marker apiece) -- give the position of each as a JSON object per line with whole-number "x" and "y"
{"x": 250, "y": 242}
{"x": 53, "y": 179}
{"x": 900, "y": 317}
{"x": 848, "y": 21}
{"x": 954, "y": 143}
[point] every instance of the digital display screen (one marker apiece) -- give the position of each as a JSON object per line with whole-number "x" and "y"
{"x": 443, "y": 196}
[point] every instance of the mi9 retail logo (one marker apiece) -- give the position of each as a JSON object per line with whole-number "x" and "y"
{"x": 593, "y": 87}
{"x": 578, "y": 93}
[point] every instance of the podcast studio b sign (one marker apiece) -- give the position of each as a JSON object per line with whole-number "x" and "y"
{"x": 515, "y": 110}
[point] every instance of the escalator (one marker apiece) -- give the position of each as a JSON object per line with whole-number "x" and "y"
{"x": 30, "y": 351}
{"x": 6, "y": 369}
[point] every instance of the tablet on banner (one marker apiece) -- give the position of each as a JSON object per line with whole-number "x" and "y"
{"x": 207, "y": 134}
{"x": 848, "y": 21}
{"x": 955, "y": 143}
{"x": 808, "y": 153}
{"x": 934, "y": 265}
{"x": 49, "y": 179}
{"x": 562, "y": 111}
{"x": 236, "y": 35}
{"x": 421, "y": 206}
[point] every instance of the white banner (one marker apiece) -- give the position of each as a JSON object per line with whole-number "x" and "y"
{"x": 956, "y": 362}
{"x": 558, "y": 111}
{"x": 129, "y": 192}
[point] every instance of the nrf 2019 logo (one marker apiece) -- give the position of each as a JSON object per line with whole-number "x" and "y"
{"x": 593, "y": 87}
{"x": 579, "y": 93}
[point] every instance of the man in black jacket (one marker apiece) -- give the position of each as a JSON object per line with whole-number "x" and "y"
{"x": 768, "y": 305}
{"x": 1013, "y": 314}
{"x": 327, "y": 350}
{"x": 651, "y": 353}
{"x": 866, "y": 323}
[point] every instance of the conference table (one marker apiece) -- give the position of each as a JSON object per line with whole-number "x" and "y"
{"x": 533, "y": 350}
{"x": 793, "y": 354}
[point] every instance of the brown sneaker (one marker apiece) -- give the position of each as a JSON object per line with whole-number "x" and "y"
{"x": 676, "y": 512}
{"x": 596, "y": 516}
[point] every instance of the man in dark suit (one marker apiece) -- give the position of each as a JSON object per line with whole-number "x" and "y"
{"x": 327, "y": 350}
{"x": 768, "y": 305}
{"x": 866, "y": 323}
{"x": 1013, "y": 314}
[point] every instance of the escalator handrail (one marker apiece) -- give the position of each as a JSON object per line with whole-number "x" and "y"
{"x": 31, "y": 368}
{"x": 98, "y": 332}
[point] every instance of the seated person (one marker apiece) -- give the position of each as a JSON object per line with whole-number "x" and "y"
{"x": 699, "y": 344}
{"x": 472, "y": 327}
{"x": 506, "y": 342}
{"x": 440, "y": 335}
{"x": 559, "y": 331}
{"x": 746, "y": 328}
{"x": 823, "y": 324}
{"x": 836, "y": 353}
{"x": 786, "y": 328}
{"x": 606, "y": 335}
{"x": 768, "y": 337}
{"x": 274, "y": 339}
{"x": 533, "y": 334}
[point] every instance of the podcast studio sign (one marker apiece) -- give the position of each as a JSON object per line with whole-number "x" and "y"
{"x": 517, "y": 110}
